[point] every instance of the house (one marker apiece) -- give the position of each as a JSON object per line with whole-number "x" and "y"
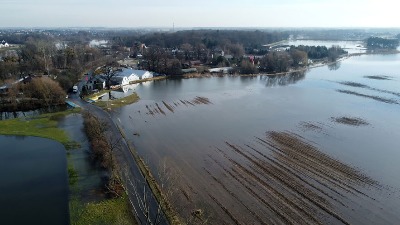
{"x": 127, "y": 75}
{"x": 143, "y": 74}
{"x": 228, "y": 57}
{"x": 124, "y": 76}
{"x": 119, "y": 80}
{"x": 4, "y": 88}
{"x": 4, "y": 44}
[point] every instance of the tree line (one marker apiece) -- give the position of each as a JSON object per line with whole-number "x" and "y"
{"x": 65, "y": 59}
{"x": 382, "y": 43}
{"x": 293, "y": 57}
{"x": 102, "y": 151}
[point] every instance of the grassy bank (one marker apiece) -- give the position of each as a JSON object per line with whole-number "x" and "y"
{"x": 118, "y": 102}
{"x": 45, "y": 125}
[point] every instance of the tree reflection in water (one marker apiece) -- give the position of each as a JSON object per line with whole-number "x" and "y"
{"x": 283, "y": 80}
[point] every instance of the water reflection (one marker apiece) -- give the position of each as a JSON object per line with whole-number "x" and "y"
{"x": 334, "y": 66}
{"x": 283, "y": 80}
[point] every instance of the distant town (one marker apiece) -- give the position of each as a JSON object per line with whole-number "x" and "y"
{"x": 64, "y": 55}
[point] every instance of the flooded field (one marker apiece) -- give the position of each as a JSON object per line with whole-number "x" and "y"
{"x": 308, "y": 148}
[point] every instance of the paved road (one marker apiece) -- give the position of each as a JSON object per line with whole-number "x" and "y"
{"x": 134, "y": 180}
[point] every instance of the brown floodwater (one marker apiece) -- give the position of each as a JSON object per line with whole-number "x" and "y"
{"x": 319, "y": 147}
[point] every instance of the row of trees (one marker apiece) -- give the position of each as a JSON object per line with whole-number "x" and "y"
{"x": 209, "y": 38}
{"x": 102, "y": 151}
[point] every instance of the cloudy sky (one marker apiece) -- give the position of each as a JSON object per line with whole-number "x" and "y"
{"x": 199, "y": 13}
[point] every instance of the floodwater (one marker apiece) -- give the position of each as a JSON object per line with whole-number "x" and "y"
{"x": 316, "y": 147}
{"x": 34, "y": 185}
{"x": 90, "y": 183}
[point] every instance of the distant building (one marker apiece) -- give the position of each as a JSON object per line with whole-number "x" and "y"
{"x": 220, "y": 70}
{"x": 189, "y": 70}
{"x": 228, "y": 57}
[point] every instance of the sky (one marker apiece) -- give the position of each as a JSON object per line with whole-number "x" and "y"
{"x": 200, "y": 13}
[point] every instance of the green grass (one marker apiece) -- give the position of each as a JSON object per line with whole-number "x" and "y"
{"x": 118, "y": 102}
{"x": 108, "y": 212}
{"x": 45, "y": 125}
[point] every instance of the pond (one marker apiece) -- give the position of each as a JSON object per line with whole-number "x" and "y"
{"x": 34, "y": 185}
{"x": 319, "y": 146}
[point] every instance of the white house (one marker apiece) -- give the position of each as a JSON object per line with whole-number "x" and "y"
{"x": 4, "y": 44}
{"x": 124, "y": 76}
{"x": 220, "y": 70}
{"x": 143, "y": 74}
{"x": 128, "y": 75}
{"x": 120, "y": 80}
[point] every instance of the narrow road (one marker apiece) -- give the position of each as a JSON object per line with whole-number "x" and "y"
{"x": 140, "y": 195}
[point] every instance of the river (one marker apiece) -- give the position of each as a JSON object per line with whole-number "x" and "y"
{"x": 34, "y": 186}
{"x": 221, "y": 137}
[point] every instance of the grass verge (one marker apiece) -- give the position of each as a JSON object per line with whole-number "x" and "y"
{"x": 45, "y": 125}
{"x": 109, "y": 211}
{"x": 166, "y": 206}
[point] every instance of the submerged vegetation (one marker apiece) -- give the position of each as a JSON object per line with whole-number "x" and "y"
{"x": 353, "y": 121}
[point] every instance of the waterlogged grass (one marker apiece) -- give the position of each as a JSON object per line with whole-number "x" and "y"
{"x": 72, "y": 175}
{"x": 118, "y": 102}
{"x": 108, "y": 212}
{"x": 45, "y": 125}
